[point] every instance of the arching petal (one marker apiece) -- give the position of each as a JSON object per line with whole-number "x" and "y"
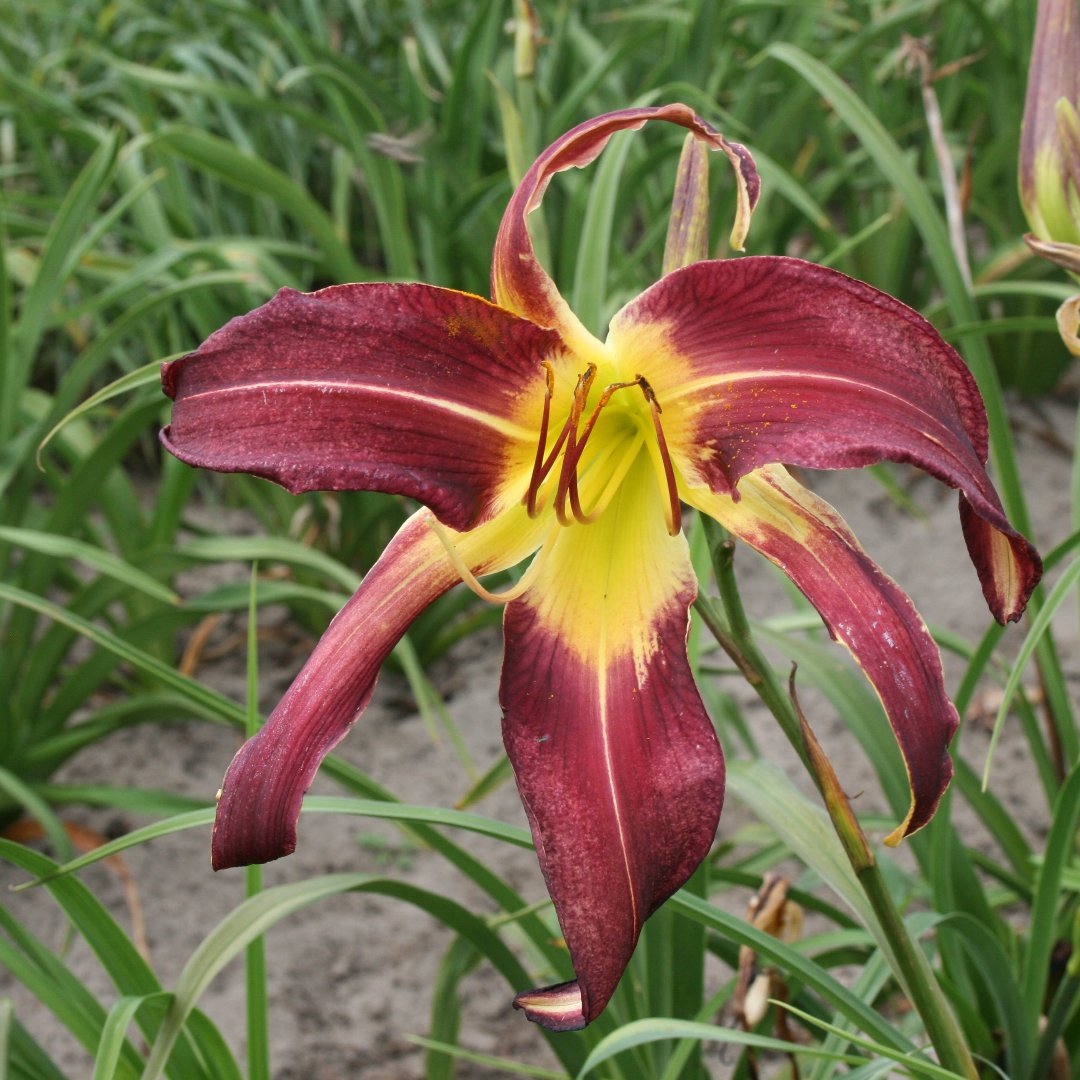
{"x": 616, "y": 759}
{"x": 403, "y": 388}
{"x": 863, "y": 609}
{"x": 520, "y": 283}
{"x": 763, "y": 360}
{"x": 264, "y": 786}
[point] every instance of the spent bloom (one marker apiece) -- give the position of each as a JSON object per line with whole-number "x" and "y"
{"x": 523, "y": 436}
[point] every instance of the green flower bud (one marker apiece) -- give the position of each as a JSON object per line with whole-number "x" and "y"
{"x": 1050, "y": 140}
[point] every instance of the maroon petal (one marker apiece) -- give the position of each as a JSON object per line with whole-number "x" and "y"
{"x": 403, "y": 388}
{"x": 616, "y": 759}
{"x": 260, "y": 798}
{"x": 768, "y": 359}
{"x": 862, "y": 608}
{"x": 520, "y": 283}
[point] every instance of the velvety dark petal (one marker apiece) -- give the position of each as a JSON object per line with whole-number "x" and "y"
{"x": 402, "y": 388}
{"x": 862, "y": 608}
{"x": 520, "y": 283}
{"x": 616, "y": 759}
{"x": 261, "y": 795}
{"x": 764, "y": 360}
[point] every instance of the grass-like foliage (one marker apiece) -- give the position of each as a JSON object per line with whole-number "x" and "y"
{"x": 165, "y": 167}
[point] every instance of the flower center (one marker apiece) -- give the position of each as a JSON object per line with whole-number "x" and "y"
{"x": 610, "y": 454}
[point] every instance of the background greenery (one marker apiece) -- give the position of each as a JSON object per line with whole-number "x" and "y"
{"x": 164, "y": 167}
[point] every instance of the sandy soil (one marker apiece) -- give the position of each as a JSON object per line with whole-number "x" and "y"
{"x": 351, "y": 977}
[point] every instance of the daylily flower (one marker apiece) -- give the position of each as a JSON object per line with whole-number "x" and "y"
{"x": 522, "y": 434}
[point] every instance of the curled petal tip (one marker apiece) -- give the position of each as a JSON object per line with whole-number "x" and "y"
{"x": 257, "y": 809}
{"x": 749, "y": 190}
{"x": 557, "y": 1008}
{"x": 896, "y": 836}
{"x": 864, "y": 610}
{"x": 264, "y": 786}
{"x": 518, "y": 281}
{"x": 1009, "y": 567}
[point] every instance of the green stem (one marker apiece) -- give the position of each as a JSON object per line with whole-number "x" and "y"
{"x": 908, "y": 960}
{"x": 258, "y": 1015}
{"x": 914, "y": 970}
{"x": 1061, "y": 1009}
{"x": 735, "y": 637}
{"x": 258, "y": 1026}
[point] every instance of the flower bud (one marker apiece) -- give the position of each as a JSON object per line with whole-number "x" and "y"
{"x": 1050, "y": 139}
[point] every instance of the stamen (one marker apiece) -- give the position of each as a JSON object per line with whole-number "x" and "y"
{"x": 572, "y": 445}
{"x": 470, "y": 579}
{"x": 674, "y": 511}
{"x": 579, "y": 449}
{"x": 568, "y": 473}
{"x": 542, "y": 465}
{"x": 538, "y": 471}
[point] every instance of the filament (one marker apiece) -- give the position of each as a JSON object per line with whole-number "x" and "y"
{"x": 470, "y": 579}
{"x": 568, "y": 480}
{"x": 542, "y": 465}
{"x": 667, "y": 479}
{"x": 535, "y": 478}
{"x": 614, "y": 481}
{"x": 568, "y": 473}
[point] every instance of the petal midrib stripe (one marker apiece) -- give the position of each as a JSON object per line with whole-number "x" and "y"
{"x": 468, "y": 412}
{"x": 602, "y": 668}
{"x": 696, "y": 386}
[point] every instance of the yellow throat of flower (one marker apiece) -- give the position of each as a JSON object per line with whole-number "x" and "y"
{"x": 596, "y": 446}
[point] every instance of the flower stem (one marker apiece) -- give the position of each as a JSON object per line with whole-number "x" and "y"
{"x": 732, "y": 630}
{"x": 912, "y": 969}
